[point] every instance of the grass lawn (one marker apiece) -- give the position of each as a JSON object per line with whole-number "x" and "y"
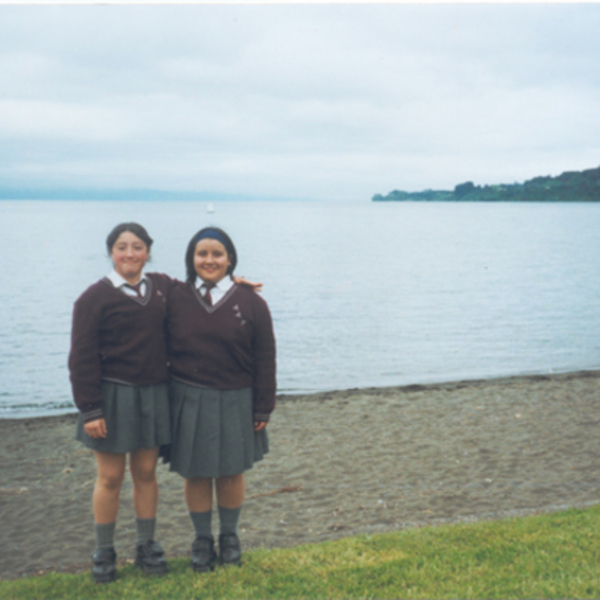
{"x": 546, "y": 556}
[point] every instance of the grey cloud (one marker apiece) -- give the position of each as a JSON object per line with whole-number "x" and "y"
{"x": 338, "y": 99}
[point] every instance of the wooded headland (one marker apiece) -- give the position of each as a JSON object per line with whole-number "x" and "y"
{"x": 570, "y": 186}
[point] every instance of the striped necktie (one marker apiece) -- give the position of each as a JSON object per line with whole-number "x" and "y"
{"x": 137, "y": 288}
{"x": 206, "y": 296}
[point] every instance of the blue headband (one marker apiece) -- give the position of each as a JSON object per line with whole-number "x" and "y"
{"x": 213, "y": 234}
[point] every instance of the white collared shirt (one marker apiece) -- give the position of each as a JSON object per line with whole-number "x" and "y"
{"x": 217, "y": 292}
{"x": 123, "y": 284}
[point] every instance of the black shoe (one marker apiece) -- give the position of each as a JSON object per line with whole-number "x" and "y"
{"x": 151, "y": 558}
{"x": 203, "y": 554}
{"x": 104, "y": 570}
{"x": 230, "y": 551}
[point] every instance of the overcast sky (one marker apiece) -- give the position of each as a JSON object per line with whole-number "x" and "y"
{"x": 327, "y": 102}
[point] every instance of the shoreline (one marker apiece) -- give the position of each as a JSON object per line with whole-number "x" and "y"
{"x": 285, "y": 397}
{"x": 342, "y": 463}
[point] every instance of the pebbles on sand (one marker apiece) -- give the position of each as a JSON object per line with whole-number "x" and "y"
{"x": 341, "y": 463}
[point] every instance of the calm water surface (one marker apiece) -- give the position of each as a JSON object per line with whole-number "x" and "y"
{"x": 369, "y": 294}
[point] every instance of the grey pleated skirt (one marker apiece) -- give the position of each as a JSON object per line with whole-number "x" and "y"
{"x": 136, "y": 417}
{"x": 213, "y": 432}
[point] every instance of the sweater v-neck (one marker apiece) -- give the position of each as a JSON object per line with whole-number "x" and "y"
{"x": 142, "y": 301}
{"x": 211, "y": 308}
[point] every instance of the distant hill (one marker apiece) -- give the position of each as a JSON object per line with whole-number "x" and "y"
{"x": 570, "y": 186}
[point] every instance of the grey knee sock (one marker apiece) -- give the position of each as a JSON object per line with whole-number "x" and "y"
{"x": 202, "y": 523}
{"x": 229, "y": 518}
{"x": 105, "y": 535}
{"x": 145, "y": 530}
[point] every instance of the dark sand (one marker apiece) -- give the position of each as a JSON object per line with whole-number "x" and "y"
{"x": 356, "y": 462}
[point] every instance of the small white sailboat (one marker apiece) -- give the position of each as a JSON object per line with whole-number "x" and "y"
{"x": 210, "y": 208}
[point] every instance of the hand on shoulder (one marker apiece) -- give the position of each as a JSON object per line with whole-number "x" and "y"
{"x": 240, "y": 280}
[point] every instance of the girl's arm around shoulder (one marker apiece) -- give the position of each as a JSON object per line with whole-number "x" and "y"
{"x": 241, "y": 280}
{"x": 165, "y": 283}
{"x": 177, "y": 289}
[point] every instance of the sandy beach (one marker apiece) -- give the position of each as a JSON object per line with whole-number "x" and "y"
{"x": 341, "y": 463}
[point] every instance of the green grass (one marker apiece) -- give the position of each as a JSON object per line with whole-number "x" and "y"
{"x": 548, "y": 556}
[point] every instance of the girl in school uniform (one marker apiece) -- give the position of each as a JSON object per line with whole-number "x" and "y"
{"x": 222, "y": 361}
{"x": 119, "y": 376}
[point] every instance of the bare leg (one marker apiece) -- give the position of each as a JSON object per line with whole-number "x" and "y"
{"x": 142, "y": 464}
{"x": 231, "y": 491}
{"x": 198, "y": 493}
{"x": 105, "y": 501}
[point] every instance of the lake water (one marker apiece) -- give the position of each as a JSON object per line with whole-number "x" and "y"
{"x": 362, "y": 294}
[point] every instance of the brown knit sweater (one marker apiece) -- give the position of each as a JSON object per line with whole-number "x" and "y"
{"x": 227, "y": 346}
{"x": 117, "y": 338}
